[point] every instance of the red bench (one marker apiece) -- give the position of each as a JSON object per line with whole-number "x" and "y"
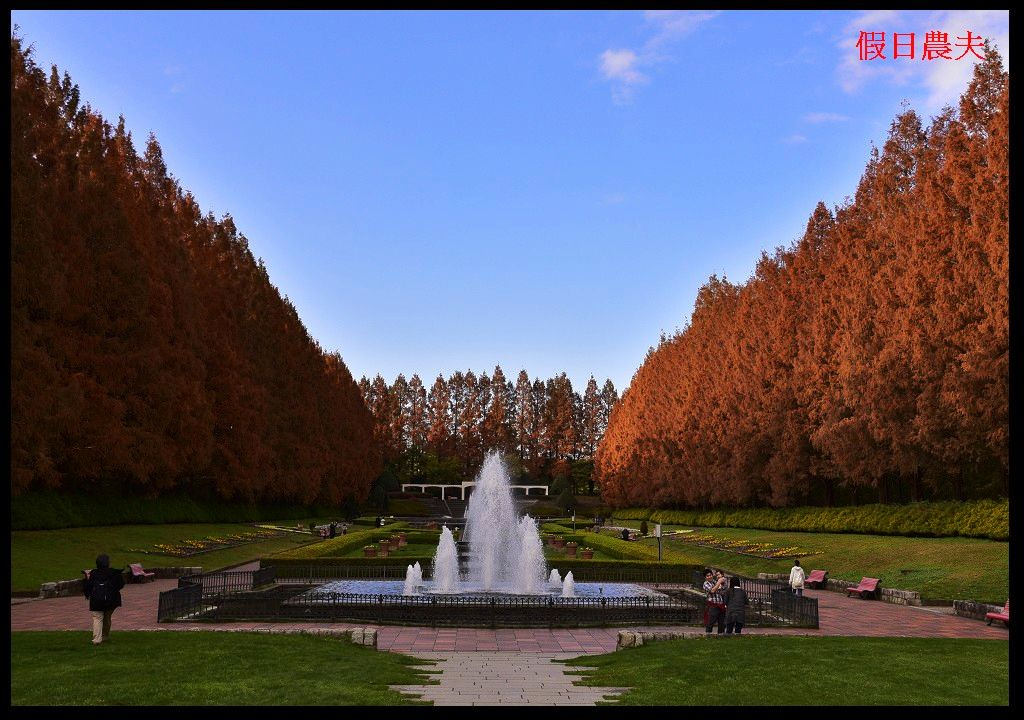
{"x": 817, "y": 579}
{"x": 140, "y": 575}
{"x": 1004, "y": 615}
{"x": 868, "y": 588}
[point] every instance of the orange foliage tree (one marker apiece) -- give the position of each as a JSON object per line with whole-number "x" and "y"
{"x": 870, "y": 358}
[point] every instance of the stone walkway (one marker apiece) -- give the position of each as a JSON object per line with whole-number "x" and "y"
{"x": 505, "y": 678}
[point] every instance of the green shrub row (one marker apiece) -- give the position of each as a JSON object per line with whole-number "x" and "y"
{"x": 279, "y": 561}
{"x": 42, "y": 510}
{"x": 610, "y": 546}
{"x": 342, "y": 544}
{"x": 978, "y": 519}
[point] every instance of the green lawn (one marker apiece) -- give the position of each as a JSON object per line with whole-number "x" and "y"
{"x": 950, "y": 568}
{"x": 39, "y": 556}
{"x": 765, "y": 670}
{"x": 203, "y": 668}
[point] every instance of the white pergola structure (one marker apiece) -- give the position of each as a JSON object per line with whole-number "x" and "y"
{"x": 462, "y": 487}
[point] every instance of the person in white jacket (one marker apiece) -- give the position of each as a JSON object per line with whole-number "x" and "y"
{"x": 796, "y": 579}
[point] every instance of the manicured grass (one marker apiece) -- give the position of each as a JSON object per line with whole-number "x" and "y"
{"x": 765, "y": 670}
{"x": 203, "y": 668}
{"x": 943, "y": 568}
{"x": 39, "y": 556}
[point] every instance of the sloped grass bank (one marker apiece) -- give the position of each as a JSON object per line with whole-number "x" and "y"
{"x": 938, "y": 568}
{"x": 766, "y": 670}
{"x": 39, "y": 556}
{"x": 203, "y": 668}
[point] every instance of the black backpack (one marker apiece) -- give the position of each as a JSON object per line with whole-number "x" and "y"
{"x": 103, "y": 592}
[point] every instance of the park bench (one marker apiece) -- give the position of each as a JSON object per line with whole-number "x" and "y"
{"x": 868, "y": 588}
{"x": 817, "y": 579}
{"x": 140, "y": 575}
{"x": 1004, "y": 615}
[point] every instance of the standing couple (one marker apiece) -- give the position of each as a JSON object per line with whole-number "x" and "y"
{"x": 725, "y": 607}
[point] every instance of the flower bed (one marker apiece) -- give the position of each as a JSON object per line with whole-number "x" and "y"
{"x": 764, "y": 550}
{"x": 187, "y": 548}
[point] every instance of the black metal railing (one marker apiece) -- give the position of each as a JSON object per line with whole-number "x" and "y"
{"x": 183, "y": 602}
{"x": 245, "y": 595}
{"x": 197, "y": 594}
{"x": 462, "y": 611}
{"x": 234, "y": 581}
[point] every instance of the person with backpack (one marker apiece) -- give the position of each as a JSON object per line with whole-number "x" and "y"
{"x": 736, "y": 602}
{"x": 103, "y": 588}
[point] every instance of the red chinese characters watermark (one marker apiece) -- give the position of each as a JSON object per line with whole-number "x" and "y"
{"x": 936, "y": 46}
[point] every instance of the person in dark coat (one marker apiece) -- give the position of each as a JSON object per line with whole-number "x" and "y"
{"x": 334, "y": 529}
{"x": 735, "y": 608}
{"x": 103, "y": 588}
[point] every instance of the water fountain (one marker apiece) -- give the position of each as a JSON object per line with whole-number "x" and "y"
{"x": 506, "y": 553}
{"x": 505, "y": 558}
{"x": 413, "y": 579}
{"x": 446, "y": 564}
{"x": 569, "y": 586}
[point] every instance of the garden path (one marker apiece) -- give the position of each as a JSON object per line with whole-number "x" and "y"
{"x": 505, "y": 678}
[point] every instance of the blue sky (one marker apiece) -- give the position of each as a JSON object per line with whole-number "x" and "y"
{"x": 544, "y": 190}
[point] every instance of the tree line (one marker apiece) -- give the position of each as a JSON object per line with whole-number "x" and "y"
{"x": 545, "y": 429}
{"x": 150, "y": 351}
{"x": 869, "y": 360}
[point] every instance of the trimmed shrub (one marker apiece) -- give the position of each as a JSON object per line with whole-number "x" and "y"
{"x": 47, "y": 510}
{"x": 342, "y": 544}
{"x": 978, "y": 519}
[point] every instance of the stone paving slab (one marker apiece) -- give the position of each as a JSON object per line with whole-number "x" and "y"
{"x": 478, "y": 678}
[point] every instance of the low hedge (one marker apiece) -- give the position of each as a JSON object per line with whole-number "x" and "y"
{"x": 279, "y": 561}
{"x": 341, "y": 544}
{"x": 612, "y": 547}
{"x": 977, "y": 519}
{"x": 50, "y": 510}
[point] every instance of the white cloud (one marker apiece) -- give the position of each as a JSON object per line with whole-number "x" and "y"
{"x": 823, "y": 117}
{"x": 795, "y": 139}
{"x": 621, "y": 66}
{"x": 943, "y": 81}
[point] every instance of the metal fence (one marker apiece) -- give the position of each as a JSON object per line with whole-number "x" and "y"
{"x": 461, "y": 611}
{"x": 196, "y": 595}
{"x": 182, "y": 603}
{"x": 246, "y": 595}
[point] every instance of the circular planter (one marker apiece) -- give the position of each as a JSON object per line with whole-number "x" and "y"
{"x": 588, "y": 554}
{"x": 558, "y": 541}
{"x": 570, "y": 549}
{"x": 369, "y": 552}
